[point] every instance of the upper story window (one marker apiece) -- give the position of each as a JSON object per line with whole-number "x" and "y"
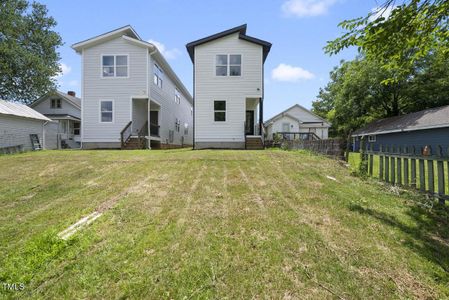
{"x": 106, "y": 111}
{"x": 219, "y": 111}
{"x": 158, "y": 75}
{"x": 115, "y": 65}
{"x": 177, "y": 96}
{"x": 228, "y": 65}
{"x": 55, "y": 103}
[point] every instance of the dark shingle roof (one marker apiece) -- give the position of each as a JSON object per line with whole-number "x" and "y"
{"x": 426, "y": 119}
{"x": 242, "y": 35}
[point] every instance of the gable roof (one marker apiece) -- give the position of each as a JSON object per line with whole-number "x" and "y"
{"x": 131, "y": 36}
{"x": 285, "y": 113}
{"x": 241, "y": 30}
{"x": 20, "y": 110}
{"x": 75, "y": 101}
{"x": 437, "y": 117}
{"x": 125, "y": 30}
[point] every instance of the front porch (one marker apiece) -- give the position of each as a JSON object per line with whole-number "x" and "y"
{"x": 254, "y": 124}
{"x": 143, "y": 131}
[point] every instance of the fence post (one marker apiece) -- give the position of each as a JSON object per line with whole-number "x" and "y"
{"x": 371, "y": 158}
{"x": 440, "y": 172}
{"x": 399, "y": 166}
{"x": 413, "y": 168}
{"x": 381, "y": 163}
{"x": 363, "y": 157}
{"x": 406, "y": 166}
{"x": 422, "y": 175}
{"x": 392, "y": 166}
{"x": 387, "y": 164}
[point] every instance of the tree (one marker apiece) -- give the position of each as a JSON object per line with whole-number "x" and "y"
{"x": 412, "y": 31}
{"x": 28, "y": 51}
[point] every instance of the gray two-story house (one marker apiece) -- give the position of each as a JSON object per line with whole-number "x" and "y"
{"x": 131, "y": 97}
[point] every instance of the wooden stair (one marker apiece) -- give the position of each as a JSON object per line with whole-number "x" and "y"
{"x": 254, "y": 143}
{"x": 132, "y": 144}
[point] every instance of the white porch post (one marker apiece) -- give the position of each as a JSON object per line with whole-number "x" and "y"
{"x": 149, "y": 121}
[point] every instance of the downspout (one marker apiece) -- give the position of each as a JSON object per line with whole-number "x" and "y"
{"x": 149, "y": 98}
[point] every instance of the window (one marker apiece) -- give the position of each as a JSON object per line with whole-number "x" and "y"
{"x": 228, "y": 64}
{"x": 371, "y": 138}
{"x": 115, "y": 65}
{"x": 219, "y": 111}
{"x": 177, "y": 96}
{"x": 177, "y": 125}
{"x": 55, "y": 103}
{"x": 186, "y": 128}
{"x": 76, "y": 128}
{"x": 158, "y": 76}
{"x": 106, "y": 111}
{"x": 235, "y": 65}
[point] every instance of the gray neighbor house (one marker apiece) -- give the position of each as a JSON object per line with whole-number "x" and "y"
{"x": 428, "y": 127}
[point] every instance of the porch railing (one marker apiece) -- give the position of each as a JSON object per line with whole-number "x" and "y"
{"x": 141, "y": 134}
{"x": 125, "y": 134}
{"x": 154, "y": 130}
{"x": 305, "y": 136}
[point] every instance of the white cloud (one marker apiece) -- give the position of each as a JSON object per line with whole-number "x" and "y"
{"x": 307, "y": 8}
{"x": 285, "y": 72}
{"x": 378, "y": 12}
{"x": 168, "y": 53}
{"x": 73, "y": 83}
{"x": 65, "y": 69}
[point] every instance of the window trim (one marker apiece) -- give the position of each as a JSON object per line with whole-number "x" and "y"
{"x": 115, "y": 66}
{"x": 228, "y": 66}
{"x": 113, "y": 111}
{"x": 56, "y": 106}
{"x": 156, "y": 66}
{"x": 215, "y": 111}
{"x": 177, "y": 96}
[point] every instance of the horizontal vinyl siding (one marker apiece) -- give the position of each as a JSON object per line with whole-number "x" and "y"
{"x": 233, "y": 90}
{"x": 120, "y": 90}
{"x": 418, "y": 138}
{"x": 44, "y": 107}
{"x": 170, "y": 110}
{"x": 16, "y": 131}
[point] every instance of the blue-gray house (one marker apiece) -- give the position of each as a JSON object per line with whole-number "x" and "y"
{"x": 428, "y": 127}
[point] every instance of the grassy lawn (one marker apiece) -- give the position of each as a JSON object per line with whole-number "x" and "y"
{"x": 184, "y": 224}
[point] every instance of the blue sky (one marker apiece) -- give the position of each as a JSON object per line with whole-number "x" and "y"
{"x": 298, "y": 29}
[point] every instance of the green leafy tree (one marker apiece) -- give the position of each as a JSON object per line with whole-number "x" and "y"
{"x": 28, "y": 51}
{"x": 413, "y": 30}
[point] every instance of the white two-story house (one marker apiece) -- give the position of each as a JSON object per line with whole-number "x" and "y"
{"x": 228, "y": 89}
{"x": 131, "y": 97}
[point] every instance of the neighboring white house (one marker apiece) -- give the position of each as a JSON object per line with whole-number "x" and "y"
{"x": 297, "y": 120}
{"x": 65, "y": 111}
{"x": 17, "y": 123}
{"x": 130, "y": 94}
{"x": 228, "y": 89}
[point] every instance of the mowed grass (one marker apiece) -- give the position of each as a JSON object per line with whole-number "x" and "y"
{"x": 187, "y": 224}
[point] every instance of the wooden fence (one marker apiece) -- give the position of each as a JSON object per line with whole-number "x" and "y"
{"x": 331, "y": 147}
{"x": 417, "y": 167}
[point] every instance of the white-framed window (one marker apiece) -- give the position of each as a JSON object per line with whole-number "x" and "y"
{"x": 158, "y": 76}
{"x": 228, "y": 65}
{"x": 219, "y": 111}
{"x": 55, "y": 103}
{"x": 177, "y": 124}
{"x": 371, "y": 138}
{"x": 106, "y": 111}
{"x": 114, "y": 65}
{"x": 177, "y": 96}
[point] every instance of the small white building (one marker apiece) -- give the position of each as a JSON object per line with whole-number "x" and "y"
{"x": 65, "y": 112}
{"x": 17, "y": 123}
{"x": 228, "y": 89}
{"x": 297, "y": 122}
